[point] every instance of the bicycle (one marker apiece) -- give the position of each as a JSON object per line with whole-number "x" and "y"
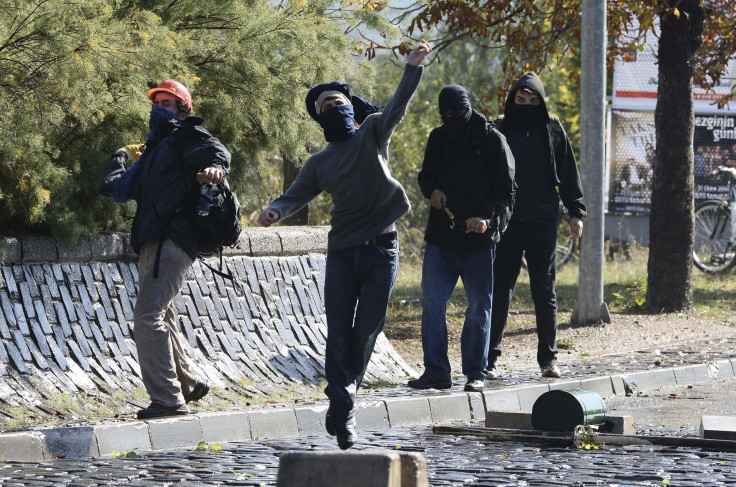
{"x": 715, "y": 225}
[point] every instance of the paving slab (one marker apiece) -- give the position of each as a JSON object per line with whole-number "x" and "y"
{"x": 175, "y": 432}
{"x": 371, "y": 415}
{"x": 718, "y": 427}
{"x": 450, "y": 407}
{"x": 311, "y": 419}
{"x": 665, "y": 377}
{"x": 75, "y": 442}
{"x": 22, "y": 447}
{"x": 123, "y": 437}
{"x": 273, "y": 423}
{"x": 528, "y": 395}
{"x": 408, "y": 411}
{"x": 501, "y": 400}
{"x": 224, "y": 426}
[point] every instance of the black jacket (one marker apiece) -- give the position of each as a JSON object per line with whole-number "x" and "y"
{"x": 476, "y": 173}
{"x": 159, "y": 185}
{"x": 561, "y": 169}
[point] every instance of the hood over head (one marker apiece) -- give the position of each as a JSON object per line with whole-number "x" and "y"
{"x": 526, "y": 115}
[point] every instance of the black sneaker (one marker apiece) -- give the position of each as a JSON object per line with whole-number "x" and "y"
{"x": 346, "y": 435}
{"x": 329, "y": 423}
{"x": 156, "y": 410}
{"x": 199, "y": 391}
{"x": 430, "y": 382}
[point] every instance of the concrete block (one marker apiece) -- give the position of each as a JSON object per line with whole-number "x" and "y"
{"x": 240, "y": 248}
{"x": 664, "y": 377}
{"x": 620, "y": 425}
{"x": 108, "y": 247}
{"x": 643, "y": 381}
{"x": 273, "y": 423}
{"x": 602, "y": 385}
{"x": 224, "y": 427}
{"x": 618, "y": 385}
{"x": 718, "y": 427}
{"x": 528, "y": 395}
{"x": 477, "y": 407}
{"x": 701, "y": 373}
{"x": 76, "y": 442}
{"x": 408, "y": 411}
{"x": 264, "y": 242}
{"x": 501, "y": 400}
{"x": 509, "y": 419}
{"x": 123, "y": 437}
{"x": 449, "y": 407}
{"x": 354, "y": 468}
{"x": 371, "y": 415}
{"x": 684, "y": 375}
{"x": 39, "y": 249}
{"x": 562, "y": 385}
{"x": 413, "y": 470}
{"x": 303, "y": 240}
{"x": 175, "y": 432}
{"x": 21, "y": 447}
{"x": 724, "y": 369}
{"x": 10, "y": 250}
{"x": 81, "y": 252}
{"x": 311, "y": 419}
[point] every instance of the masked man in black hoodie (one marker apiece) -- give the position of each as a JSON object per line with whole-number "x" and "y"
{"x": 468, "y": 177}
{"x": 545, "y": 164}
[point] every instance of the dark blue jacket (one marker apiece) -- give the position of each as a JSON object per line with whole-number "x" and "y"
{"x": 164, "y": 179}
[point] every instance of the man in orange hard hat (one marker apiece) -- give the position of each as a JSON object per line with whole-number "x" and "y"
{"x": 179, "y": 148}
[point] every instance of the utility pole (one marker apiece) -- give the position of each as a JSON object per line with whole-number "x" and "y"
{"x": 590, "y": 307}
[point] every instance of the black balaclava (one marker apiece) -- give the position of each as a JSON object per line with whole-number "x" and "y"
{"x": 455, "y": 100}
{"x": 526, "y": 116}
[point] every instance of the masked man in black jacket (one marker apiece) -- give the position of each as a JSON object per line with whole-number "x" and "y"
{"x": 468, "y": 177}
{"x": 178, "y": 153}
{"x": 545, "y": 164}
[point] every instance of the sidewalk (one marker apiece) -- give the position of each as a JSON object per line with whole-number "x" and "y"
{"x": 610, "y": 375}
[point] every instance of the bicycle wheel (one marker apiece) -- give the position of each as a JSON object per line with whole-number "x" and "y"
{"x": 714, "y": 251}
{"x": 565, "y": 244}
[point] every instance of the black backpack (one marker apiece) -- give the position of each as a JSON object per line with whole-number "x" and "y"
{"x": 221, "y": 227}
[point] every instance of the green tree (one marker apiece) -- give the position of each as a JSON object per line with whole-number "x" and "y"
{"x": 73, "y": 76}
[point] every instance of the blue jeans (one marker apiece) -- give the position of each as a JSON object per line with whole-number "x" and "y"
{"x": 358, "y": 284}
{"x": 440, "y": 272}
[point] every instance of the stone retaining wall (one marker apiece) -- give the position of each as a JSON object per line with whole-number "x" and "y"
{"x": 66, "y": 315}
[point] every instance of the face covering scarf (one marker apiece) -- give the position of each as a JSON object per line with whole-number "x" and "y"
{"x": 526, "y": 116}
{"x": 157, "y": 115}
{"x": 337, "y": 123}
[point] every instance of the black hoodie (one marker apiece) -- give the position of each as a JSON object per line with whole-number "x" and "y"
{"x": 545, "y": 161}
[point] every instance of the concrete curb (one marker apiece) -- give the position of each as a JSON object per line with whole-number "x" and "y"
{"x": 283, "y": 421}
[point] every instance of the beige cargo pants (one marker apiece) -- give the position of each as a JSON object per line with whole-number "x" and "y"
{"x": 167, "y": 372}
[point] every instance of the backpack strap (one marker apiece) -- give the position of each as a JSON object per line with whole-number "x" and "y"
{"x": 237, "y": 285}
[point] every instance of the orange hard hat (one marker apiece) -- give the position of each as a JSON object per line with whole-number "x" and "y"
{"x": 173, "y": 87}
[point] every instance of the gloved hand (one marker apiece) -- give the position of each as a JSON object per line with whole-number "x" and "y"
{"x": 133, "y": 151}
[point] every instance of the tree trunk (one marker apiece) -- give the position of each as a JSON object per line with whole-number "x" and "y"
{"x": 291, "y": 171}
{"x": 669, "y": 286}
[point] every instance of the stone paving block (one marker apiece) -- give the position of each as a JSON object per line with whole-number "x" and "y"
{"x": 684, "y": 375}
{"x": 408, "y": 411}
{"x": 718, "y": 427}
{"x": 509, "y": 419}
{"x": 641, "y": 381}
{"x": 78, "y": 253}
{"x": 39, "y": 249}
{"x": 123, "y": 437}
{"x": 224, "y": 426}
{"x": 175, "y": 432}
{"x": 724, "y": 369}
{"x": 477, "y": 406}
{"x": 449, "y": 407}
{"x": 108, "y": 247}
{"x": 356, "y": 469}
{"x": 75, "y": 442}
{"x": 10, "y": 250}
{"x": 528, "y": 395}
{"x": 371, "y": 415}
{"x": 619, "y": 425}
{"x": 413, "y": 470}
{"x": 273, "y": 423}
{"x": 311, "y": 419}
{"x": 618, "y": 385}
{"x": 501, "y": 400}
{"x": 601, "y": 385}
{"x": 563, "y": 385}
{"x": 664, "y": 377}
{"x": 21, "y": 447}
{"x": 701, "y": 373}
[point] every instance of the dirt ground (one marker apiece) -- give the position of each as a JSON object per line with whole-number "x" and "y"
{"x": 625, "y": 333}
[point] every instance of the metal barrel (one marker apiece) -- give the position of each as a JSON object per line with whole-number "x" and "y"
{"x": 564, "y": 409}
